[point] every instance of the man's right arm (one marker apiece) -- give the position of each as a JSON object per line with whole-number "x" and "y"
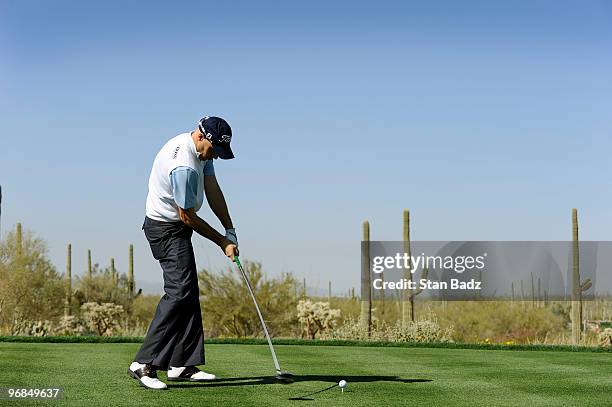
{"x": 184, "y": 182}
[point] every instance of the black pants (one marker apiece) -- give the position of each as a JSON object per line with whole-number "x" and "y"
{"x": 175, "y": 336}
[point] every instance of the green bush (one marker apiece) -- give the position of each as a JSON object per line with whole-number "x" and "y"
{"x": 227, "y": 308}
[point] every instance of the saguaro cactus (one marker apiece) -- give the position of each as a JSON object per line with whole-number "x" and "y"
{"x": 532, "y": 292}
{"x": 578, "y": 286}
{"x": 89, "y": 264}
{"x": 88, "y": 275}
{"x": 131, "y": 272}
{"x": 68, "y": 299}
{"x": 407, "y": 300}
{"x": 114, "y": 272}
{"x": 366, "y": 286}
{"x": 576, "y": 303}
{"x": 575, "y": 280}
{"x": 19, "y": 240}
{"x": 382, "y": 295}
{"x": 408, "y": 295}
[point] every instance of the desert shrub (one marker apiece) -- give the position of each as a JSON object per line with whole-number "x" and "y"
{"x": 100, "y": 287}
{"x": 423, "y": 330}
{"x": 102, "y": 319}
{"x": 605, "y": 337}
{"x": 137, "y": 329}
{"x": 142, "y": 312}
{"x": 563, "y": 310}
{"x": 228, "y": 310}
{"x": 30, "y": 288}
{"x": 500, "y": 321}
{"x": 350, "y": 328}
{"x": 33, "y": 328}
{"x": 104, "y": 287}
{"x": 316, "y": 317}
{"x": 70, "y": 325}
{"x": 349, "y": 308}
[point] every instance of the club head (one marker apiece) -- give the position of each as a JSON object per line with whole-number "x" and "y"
{"x": 284, "y": 377}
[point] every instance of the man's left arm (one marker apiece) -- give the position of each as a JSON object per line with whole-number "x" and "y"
{"x": 215, "y": 198}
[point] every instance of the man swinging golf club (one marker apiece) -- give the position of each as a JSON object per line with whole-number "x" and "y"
{"x": 182, "y": 174}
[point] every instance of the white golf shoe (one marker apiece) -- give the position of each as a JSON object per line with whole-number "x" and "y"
{"x": 146, "y": 375}
{"x": 189, "y": 373}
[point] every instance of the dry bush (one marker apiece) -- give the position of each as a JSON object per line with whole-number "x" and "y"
{"x": 500, "y": 321}
{"x": 70, "y": 325}
{"x": 423, "y": 330}
{"x": 316, "y": 317}
{"x": 605, "y": 338}
{"x": 103, "y": 319}
{"x": 33, "y": 328}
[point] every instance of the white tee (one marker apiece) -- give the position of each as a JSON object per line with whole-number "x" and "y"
{"x": 179, "y": 151}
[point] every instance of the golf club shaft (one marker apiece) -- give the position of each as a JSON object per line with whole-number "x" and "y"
{"x": 263, "y": 324}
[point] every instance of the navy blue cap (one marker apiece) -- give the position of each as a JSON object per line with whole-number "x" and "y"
{"x": 219, "y": 133}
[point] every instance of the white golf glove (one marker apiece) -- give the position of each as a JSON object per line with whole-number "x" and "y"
{"x": 230, "y": 234}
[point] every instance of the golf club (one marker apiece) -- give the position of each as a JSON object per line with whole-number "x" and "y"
{"x": 284, "y": 377}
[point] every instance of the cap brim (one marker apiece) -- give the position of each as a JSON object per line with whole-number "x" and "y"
{"x": 224, "y": 152}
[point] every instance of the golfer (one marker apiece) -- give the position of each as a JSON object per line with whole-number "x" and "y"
{"x": 182, "y": 174}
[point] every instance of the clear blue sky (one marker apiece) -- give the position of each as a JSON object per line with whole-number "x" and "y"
{"x": 489, "y": 120}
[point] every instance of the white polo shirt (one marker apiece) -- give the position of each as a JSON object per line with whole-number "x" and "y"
{"x": 177, "y": 178}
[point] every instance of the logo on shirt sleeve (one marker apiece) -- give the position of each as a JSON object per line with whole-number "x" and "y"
{"x": 176, "y": 150}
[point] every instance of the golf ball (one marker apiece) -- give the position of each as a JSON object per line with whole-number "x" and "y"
{"x": 342, "y": 383}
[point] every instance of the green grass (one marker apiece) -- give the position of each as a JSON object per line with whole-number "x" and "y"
{"x": 94, "y": 374}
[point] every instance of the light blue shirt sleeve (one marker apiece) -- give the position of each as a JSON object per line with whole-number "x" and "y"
{"x": 209, "y": 168}
{"x": 184, "y": 182}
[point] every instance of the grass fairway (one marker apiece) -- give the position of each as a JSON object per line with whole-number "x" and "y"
{"x": 95, "y": 374}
